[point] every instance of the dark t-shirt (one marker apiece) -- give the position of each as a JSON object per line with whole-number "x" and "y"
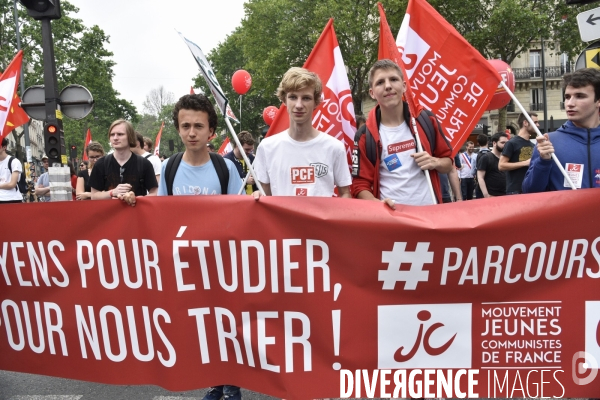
{"x": 517, "y": 149}
{"x": 86, "y": 180}
{"x": 495, "y": 180}
{"x": 104, "y": 178}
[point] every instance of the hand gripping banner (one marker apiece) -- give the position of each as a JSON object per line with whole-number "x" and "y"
{"x": 509, "y": 298}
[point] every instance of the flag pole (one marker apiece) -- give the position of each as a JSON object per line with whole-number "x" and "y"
{"x": 537, "y": 131}
{"x": 420, "y": 149}
{"x": 243, "y": 153}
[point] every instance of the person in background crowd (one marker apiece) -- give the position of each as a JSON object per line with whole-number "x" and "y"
{"x": 247, "y": 142}
{"x": 94, "y": 152}
{"x": 482, "y": 141}
{"x": 9, "y": 192}
{"x": 148, "y": 145}
{"x": 516, "y": 155}
{"x": 492, "y": 181}
{"x": 83, "y": 165}
{"x": 467, "y": 172}
{"x": 576, "y": 143}
{"x": 42, "y": 187}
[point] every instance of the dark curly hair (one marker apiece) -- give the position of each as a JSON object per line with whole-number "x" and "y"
{"x": 583, "y": 77}
{"x": 196, "y": 102}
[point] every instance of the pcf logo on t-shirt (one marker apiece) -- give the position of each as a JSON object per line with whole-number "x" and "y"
{"x": 302, "y": 175}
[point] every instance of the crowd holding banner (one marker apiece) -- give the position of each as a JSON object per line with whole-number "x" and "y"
{"x": 282, "y": 309}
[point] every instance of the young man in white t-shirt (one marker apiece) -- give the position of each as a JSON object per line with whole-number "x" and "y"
{"x": 9, "y": 193}
{"x": 302, "y": 161}
{"x": 397, "y": 176}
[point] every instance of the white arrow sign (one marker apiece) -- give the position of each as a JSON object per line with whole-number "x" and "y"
{"x": 589, "y": 24}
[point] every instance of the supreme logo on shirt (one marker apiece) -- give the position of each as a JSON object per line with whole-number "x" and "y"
{"x": 401, "y": 146}
{"x": 302, "y": 175}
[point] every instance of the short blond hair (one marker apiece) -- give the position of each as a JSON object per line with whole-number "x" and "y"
{"x": 297, "y": 79}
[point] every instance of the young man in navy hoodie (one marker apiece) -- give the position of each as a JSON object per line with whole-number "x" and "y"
{"x": 576, "y": 143}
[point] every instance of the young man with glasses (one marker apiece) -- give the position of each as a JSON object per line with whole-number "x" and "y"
{"x": 42, "y": 187}
{"x": 122, "y": 174}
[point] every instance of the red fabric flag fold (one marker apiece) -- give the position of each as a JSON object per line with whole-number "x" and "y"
{"x": 88, "y": 139}
{"x": 157, "y": 141}
{"x": 444, "y": 72}
{"x": 11, "y": 115}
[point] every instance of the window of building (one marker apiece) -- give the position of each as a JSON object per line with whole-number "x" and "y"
{"x": 535, "y": 63}
{"x": 565, "y": 63}
{"x": 536, "y": 100}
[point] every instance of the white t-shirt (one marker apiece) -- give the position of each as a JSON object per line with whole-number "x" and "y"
{"x": 155, "y": 161}
{"x": 295, "y": 168}
{"x": 5, "y": 174}
{"x": 400, "y": 178}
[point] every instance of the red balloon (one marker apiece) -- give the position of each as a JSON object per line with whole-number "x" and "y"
{"x": 502, "y": 98}
{"x": 241, "y": 81}
{"x": 269, "y": 114}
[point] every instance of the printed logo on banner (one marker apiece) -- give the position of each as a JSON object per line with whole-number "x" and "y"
{"x": 588, "y": 365}
{"x": 401, "y": 146}
{"x": 411, "y": 46}
{"x": 424, "y": 336}
{"x": 301, "y": 192}
{"x": 303, "y": 175}
{"x": 320, "y": 169}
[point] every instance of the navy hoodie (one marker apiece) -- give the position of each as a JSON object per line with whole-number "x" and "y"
{"x": 571, "y": 145}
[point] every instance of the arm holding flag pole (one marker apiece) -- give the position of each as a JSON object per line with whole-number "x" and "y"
{"x": 537, "y": 131}
{"x": 413, "y": 124}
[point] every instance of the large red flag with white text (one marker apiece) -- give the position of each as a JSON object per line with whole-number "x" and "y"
{"x": 88, "y": 140}
{"x": 446, "y": 74}
{"x": 335, "y": 113}
{"x": 11, "y": 115}
{"x": 157, "y": 141}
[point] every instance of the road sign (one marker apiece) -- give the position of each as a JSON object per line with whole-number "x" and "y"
{"x": 589, "y": 24}
{"x": 76, "y": 101}
{"x": 34, "y": 103}
{"x": 589, "y": 57}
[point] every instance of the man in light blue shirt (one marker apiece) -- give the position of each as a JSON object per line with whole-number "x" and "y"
{"x": 196, "y": 171}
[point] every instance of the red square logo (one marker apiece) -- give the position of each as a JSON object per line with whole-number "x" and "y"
{"x": 303, "y": 175}
{"x": 301, "y": 192}
{"x": 401, "y": 146}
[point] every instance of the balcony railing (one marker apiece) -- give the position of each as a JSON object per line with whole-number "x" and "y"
{"x": 536, "y": 106}
{"x": 536, "y": 73}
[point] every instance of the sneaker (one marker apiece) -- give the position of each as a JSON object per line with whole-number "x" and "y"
{"x": 214, "y": 393}
{"x": 233, "y": 396}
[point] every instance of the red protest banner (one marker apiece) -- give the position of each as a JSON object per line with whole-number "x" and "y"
{"x": 446, "y": 74}
{"x": 317, "y": 290}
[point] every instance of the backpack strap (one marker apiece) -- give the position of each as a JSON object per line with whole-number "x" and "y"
{"x": 140, "y": 168}
{"x": 170, "y": 171}
{"x": 425, "y": 122}
{"x": 108, "y": 158}
{"x": 148, "y": 156}
{"x": 222, "y": 171}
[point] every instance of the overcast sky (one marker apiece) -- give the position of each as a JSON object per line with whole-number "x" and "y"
{"x": 147, "y": 49}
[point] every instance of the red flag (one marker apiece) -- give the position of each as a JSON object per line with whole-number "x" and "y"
{"x": 88, "y": 139}
{"x": 226, "y": 147}
{"x": 11, "y": 115}
{"x": 446, "y": 74}
{"x": 335, "y": 113}
{"x": 192, "y": 90}
{"x": 388, "y": 49}
{"x": 157, "y": 141}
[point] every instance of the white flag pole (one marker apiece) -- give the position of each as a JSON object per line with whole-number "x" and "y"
{"x": 243, "y": 153}
{"x": 537, "y": 131}
{"x": 243, "y": 184}
{"x": 420, "y": 149}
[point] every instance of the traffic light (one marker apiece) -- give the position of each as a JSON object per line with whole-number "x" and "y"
{"x": 42, "y": 9}
{"x": 486, "y": 130}
{"x": 73, "y": 152}
{"x": 53, "y": 142}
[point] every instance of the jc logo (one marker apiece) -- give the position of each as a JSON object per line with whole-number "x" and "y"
{"x": 424, "y": 316}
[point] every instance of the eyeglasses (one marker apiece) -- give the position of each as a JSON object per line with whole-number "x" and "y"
{"x": 121, "y": 171}
{"x": 82, "y": 165}
{"x": 94, "y": 157}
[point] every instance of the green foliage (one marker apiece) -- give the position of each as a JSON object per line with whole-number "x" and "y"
{"x": 81, "y": 58}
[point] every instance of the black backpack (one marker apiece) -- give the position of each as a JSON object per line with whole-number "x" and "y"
{"x": 21, "y": 183}
{"x": 422, "y": 119}
{"x": 217, "y": 160}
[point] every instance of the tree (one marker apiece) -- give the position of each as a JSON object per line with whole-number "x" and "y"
{"x": 81, "y": 58}
{"x": 157, "y": 99}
